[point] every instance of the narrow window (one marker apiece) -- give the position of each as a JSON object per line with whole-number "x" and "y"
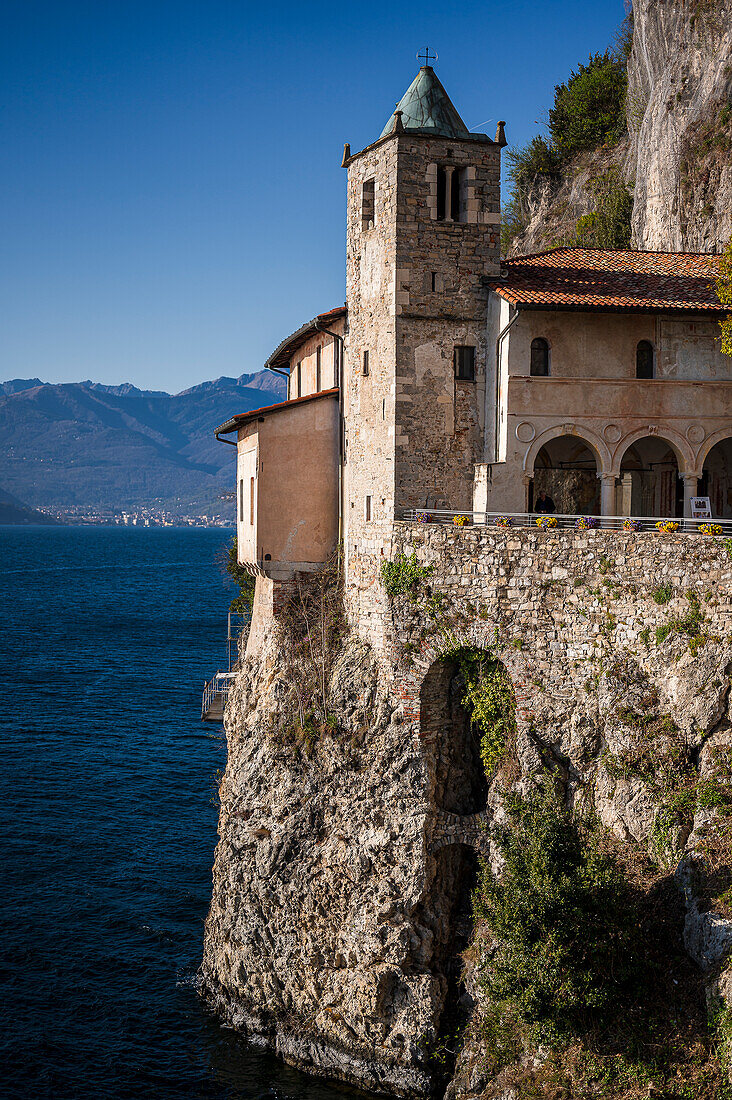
{"x": 241, "y": 500}
{"x": 368, "y": 204}
{"x": 383, "y": 408}
{"x": 367, "y": 510}
{"x": 644, "y": 364}
{"x": 441, "y": 193}
{"x": 434, "y": 281}
{"x": 251, "y": 501}
{"x": 365, "y": 363}
{"x": 317, "y": 369}
{"x": 298, "y": 380}
{"x": 464, "y": 362}
{"x": 540, "y": 357}
{"x": 455, "y": 193}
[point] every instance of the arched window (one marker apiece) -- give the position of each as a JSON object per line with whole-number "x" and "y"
{"x": 540, "y": 357}
{"x": 644, "y": 360}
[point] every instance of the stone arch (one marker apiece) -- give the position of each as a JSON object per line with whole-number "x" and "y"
{"x": 597, "y": 445}
{"x": 458, "y": 780}
{"x": 677, "y": 443}
{"x": 651, "y": 482}
{"x": 708, "y": 444}
{"x": 715, "y": 481}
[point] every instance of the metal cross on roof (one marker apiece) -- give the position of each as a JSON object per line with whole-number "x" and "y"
{"x": 426, "y": 56}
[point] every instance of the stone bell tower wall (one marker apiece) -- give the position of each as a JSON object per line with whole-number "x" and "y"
{"x": 441, "y": 304}
{"x": 414, "y": 290}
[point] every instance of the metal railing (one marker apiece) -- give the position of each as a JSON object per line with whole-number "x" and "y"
{"x": 564, "y": 521}
{"x": 215, "y": 694}
{"x": 216, "y": 691}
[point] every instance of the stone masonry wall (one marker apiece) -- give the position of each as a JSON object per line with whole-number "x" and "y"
{"x": 337, "y": 884}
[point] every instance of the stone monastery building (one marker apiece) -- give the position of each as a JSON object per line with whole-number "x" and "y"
{"x": 452, "y": 380}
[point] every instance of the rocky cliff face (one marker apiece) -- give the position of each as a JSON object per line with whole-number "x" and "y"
{"x": 677, "y": 156}
{"x": 679, "y": 111}
{"x": 340, "y": 925}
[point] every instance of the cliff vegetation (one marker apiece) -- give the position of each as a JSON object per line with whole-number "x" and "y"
{"x": 638, "y": 141}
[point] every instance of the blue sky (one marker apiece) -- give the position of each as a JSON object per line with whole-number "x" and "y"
{"x": 172, "y": 202}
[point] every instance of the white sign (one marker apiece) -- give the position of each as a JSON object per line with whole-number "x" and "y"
{"x": 701, "y": 508}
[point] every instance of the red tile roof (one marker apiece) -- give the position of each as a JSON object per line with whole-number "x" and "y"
{"x": 267, "y": 410}
{"x": 611, "y": 281}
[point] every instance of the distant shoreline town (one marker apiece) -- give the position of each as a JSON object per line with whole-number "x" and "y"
{"x": 142, "y": 517}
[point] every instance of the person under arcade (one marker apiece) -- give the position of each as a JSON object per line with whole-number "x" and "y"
{"x": 544, "y": 504}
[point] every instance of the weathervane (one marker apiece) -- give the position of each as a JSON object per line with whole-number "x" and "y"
{"x": 426, "y": 56}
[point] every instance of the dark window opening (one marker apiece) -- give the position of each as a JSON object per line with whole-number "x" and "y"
{"x": 434, "y": 280}
{"x": 540, "y": 357}
{"x": 368, "y": 509}
{"x": 644, "y": 364}
{"x": 451, "y": 194}
{"x": 368, "y": 204}
{"x": 464, "y": 361}
{"x": 365, "y": 363}
{"x": 317, "y": 368}
{"x": 455, "y": 190}
{"x": 298, "y": 379}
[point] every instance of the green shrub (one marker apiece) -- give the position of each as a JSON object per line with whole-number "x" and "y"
{"x": 561, "y": 918}
{"x": 404, "y": 575}
{"x": 662, "y": 594}
{"x": 609, "y": 225}
{"x": 241, "y": 604}
{"x": 589, "y": 110}
{"x": 489, "y": 699}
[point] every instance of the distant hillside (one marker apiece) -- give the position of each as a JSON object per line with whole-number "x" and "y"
{"x": 13, "y": 511}
{"x": 83, "y": 443}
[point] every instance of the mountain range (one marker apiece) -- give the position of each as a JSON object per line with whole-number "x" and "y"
{"x": 120, "y": 447}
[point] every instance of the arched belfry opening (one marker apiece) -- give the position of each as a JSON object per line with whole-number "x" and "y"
{"x": 566, "y": 470}
{"x": 460, "y": 784}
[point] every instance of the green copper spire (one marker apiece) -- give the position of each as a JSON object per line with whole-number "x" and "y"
{"x": 426, "y": 108}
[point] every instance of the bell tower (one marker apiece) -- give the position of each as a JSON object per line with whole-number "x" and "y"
{"x": 423, "y": 228}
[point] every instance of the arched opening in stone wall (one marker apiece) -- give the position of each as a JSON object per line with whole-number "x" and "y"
{"x": 716, "y": 479}
{"x": 566, "y": 470}
{"x": 460, "y": 784}
{"x": 649, "y": 480}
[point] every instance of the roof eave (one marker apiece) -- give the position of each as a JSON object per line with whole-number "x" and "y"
{"x": 587, "y": 307}
{"x": 278, "y": 358}
{"x": 240, "y": 419}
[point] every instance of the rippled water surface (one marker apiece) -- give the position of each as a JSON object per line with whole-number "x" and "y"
{"x": 108, "y": 825}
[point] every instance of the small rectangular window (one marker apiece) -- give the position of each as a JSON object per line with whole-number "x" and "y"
{"x": 434, "y": 281}
{"x": 367, "y": 510}
{"x": 298, "y": 380}
{"x": 465, "y": 364}
{"x": 365, "y": 363}
{"x": 317, "y": 369}
{"x": 251, "y": 501}
{"x": 441, "y": 193}
{"x": 368, "y": 204}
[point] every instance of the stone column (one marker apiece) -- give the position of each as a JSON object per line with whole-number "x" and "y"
{"x": 607, "y": 494}
{"x": 449, "y": 180}
{"x": 627, "y": 492}
{"x": 691, "y": 482}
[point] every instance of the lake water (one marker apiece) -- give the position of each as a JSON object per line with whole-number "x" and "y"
{"x": 108, "y": 821}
